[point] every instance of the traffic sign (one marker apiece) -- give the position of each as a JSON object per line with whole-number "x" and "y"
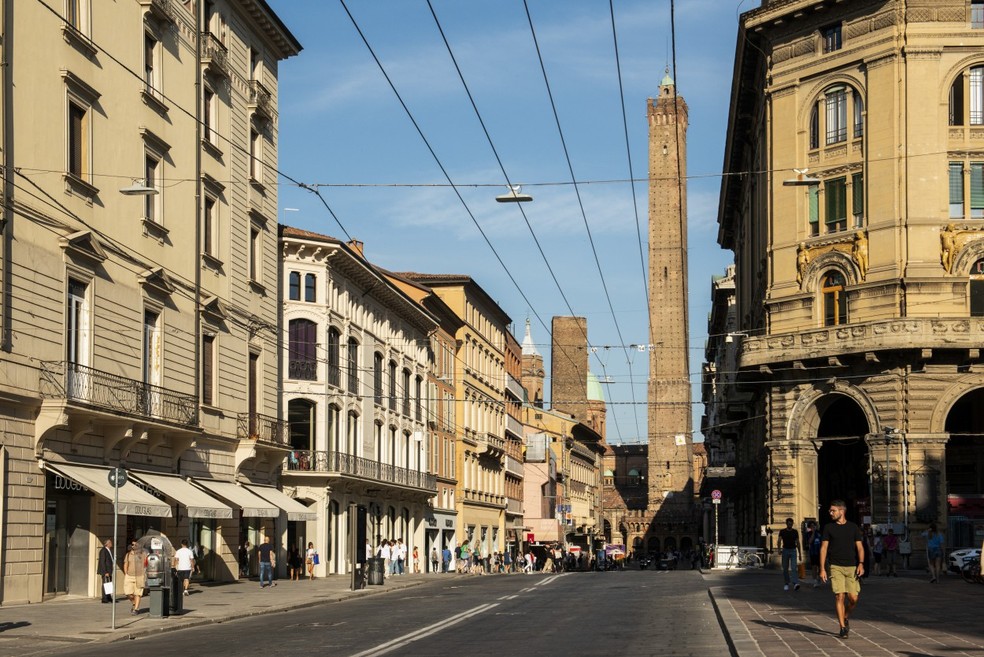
{"x": 715, "y": 494}
{"x": 117, "y": 477}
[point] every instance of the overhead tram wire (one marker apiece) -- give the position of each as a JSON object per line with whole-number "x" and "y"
{"x": 440, "y": 164}
{"x": 580, "y": 202}
{"x": 505, "y": 175}
{"x": 628, "y": 156}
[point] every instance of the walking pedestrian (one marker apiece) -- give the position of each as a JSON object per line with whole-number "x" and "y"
{"x": 244, "y": 559}
{"x": 294, "y": 563}
{"x": 134, "y": 576}
{"x": 934, "y": 552}
{"x": 891, "y": 546}
{"x": 842, "y": 546}
{"x": 813, "y": 540}
{"x": 416, "y": 560}
{"x": 183, "y": 563}
{"x": 311, "y": 559}
{"x": 877, "y": 551}
{"x": 789, "y": 541}
{"x": 446, "y": 559}
{"x": 267, "y": 561}
{"x": 105, "y": 568}
{"x": 435, "y": 559}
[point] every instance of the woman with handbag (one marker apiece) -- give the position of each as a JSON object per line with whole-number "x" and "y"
{"x": 312, "y": 560}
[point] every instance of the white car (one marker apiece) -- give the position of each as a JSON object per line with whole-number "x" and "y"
{"x": 959, "y": 557}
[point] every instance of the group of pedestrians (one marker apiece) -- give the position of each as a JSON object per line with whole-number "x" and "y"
{"x": 135, "y": 571}
{"x": 394, "y": 556}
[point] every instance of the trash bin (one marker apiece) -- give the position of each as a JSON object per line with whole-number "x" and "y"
{"x": 177, "y": 593}
{"x": 377, "y": 570}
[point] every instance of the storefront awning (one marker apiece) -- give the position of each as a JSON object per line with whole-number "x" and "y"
{"x": 252, "y": 505}
{"x": 295, "y": 510}
{"x": 198, "y": 503}
{"x": 133, "y": 500}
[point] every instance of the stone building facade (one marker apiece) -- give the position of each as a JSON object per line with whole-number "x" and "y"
{"x": 852, "y": 198}
{"x": 138, "y": 258}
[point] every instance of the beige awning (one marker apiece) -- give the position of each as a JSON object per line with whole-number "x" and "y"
{"x": 133, "y": 500}
{"x": 252, "y": 505}
{"x": 198, "y": 503}
{"x": 295, "y": 510}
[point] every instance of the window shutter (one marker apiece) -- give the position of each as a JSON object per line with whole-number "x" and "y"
{"x": 857, "y": 189}
{"x": 814, "y": 204}
{"x": 208, "y": 344}
{"x": 976, "y": 187}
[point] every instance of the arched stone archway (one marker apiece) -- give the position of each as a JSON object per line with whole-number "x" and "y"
{"x": 964, "y": 469}
{"x": 843, "y": 459}
{"x": 653, "y": 545}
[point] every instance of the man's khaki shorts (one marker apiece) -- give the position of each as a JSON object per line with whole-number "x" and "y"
{"x": 133, "y": 585}
{"x": 843, "y": 579}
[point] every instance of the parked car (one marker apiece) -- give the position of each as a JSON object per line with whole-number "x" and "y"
{"x": 958, "y": 557}
{"x": 667, "y": 563}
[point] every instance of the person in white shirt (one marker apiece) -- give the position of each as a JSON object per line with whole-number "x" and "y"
{"x": 184, "y": 562}
{"x": 387, "y": 555}
{"x": 310, "y": 557}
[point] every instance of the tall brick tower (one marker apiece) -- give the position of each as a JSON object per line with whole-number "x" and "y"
{"x": 670, "y": 483}
{"x": 569, "y": 366}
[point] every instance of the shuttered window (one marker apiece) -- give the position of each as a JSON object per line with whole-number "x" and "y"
{"x": 857, "y": 199}
{"x": 835, "y": 192}
{"x": 956, "y": 190}
{"x": 814, "y": 196}
{"x": 977, "y": 190}
{"x": 208, "y": 355}
{"x": 77, "y": 140}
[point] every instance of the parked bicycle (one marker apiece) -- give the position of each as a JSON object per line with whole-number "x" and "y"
{"x": 744, "y": 558}
{"x": 971, "y": 571}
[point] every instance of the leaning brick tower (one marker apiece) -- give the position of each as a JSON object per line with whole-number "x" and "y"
{"x": 670, "y": 484}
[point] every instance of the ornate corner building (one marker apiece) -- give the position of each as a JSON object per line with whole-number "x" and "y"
{"x": 853, "y": 199}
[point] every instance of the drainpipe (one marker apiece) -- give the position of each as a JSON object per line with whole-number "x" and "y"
{"x": 6, "y": 143}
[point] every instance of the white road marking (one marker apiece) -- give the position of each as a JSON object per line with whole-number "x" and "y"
{"x": 399, "y": 642}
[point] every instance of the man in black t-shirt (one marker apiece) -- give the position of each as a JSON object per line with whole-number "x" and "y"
{"x": 842, "y": 547}
{"x": 267, "y": 561}
{"x": 789, "y": 541}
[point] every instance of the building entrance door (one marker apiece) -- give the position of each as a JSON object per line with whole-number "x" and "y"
{"x": 67, "y": 537}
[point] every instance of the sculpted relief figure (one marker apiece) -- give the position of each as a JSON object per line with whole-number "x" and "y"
{"x": 860, "y": 253}
{"x": 802, "y": 260}
{"x": 947, "y": 247}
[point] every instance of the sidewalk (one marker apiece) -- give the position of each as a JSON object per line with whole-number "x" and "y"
{"x": 38, "y": 627}
{"x": 895, "y": 616}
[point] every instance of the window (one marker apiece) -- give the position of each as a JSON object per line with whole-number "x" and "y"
{"x": 255, "y": 69}
{"x": 255, "y": 253}
{"x": 78, "y": 140}
{"x": 208, "y": 369}
{"x": 302, "y": 349}
{"x": 294, "y": 286}
{"x": 77, "y": 323}
{"x": 301, "y": 415}
{"x": 977, "y": 289}
{"x": 210, "y": 228}
{"x": 255, "y": 155}
{"x": 209, "y": 116}
{"x": 406, "y": 392}
{"x": 977, "y": 14}
{"x": 152, "y": 68}
{"x": 77, "y": 15}
{"x": 834, "y": 300}
{"x": 836, "y": 104}
{"x": 353, "y": 366}
{"x": 352, "y": 427}
{"x": 309, "y": 286}
{"x": 334, "y": 364}
{"x": 392, "y": 385}
{"x": 835, "y": 192}
{"x": 858, "y": 115}
{"x": 960, "y": 197}
{"x": 418, "y": 391}
{"x": 377, "y": 378}
{"x": 814, "y": 200}
{"x": 857, "y": 199}
{"x": 967, "y": 98}
{"x": 152, "y": 178}
{"x": 815, "y": 127}
{"x": 831, "y": 36}
{"x": 334, "y": 417}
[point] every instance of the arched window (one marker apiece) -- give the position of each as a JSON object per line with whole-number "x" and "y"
{"x": 353, "y": 366}
{"x": 377, "y": 378}
{"x": 302, "y": 348}
{"x": 334, "y": 419}
{"x": 967, "y": 98}
{"x": 309, "y": 282}
{"x": 301, "y": 422}
{"x": 334, "y": 357}
{"x": 977, "y": 289}
{"x": 392, "y": 385}
{"x": 352, "y": 427}
{"x": 830, "y": 116}
{"x": 406, "y": 392}
{"x": 294, "y": 286}
{"x": 834, "y": 299}
{"x": 634, "y": 477}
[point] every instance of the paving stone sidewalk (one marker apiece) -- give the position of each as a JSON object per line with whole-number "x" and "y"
{"x": 905, "y": 616}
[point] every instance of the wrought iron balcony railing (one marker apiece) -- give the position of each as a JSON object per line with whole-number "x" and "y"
{"x": 118, "y": 394}
{"x": 214, "y": 54}
{"x": 264, "y": 428}
{"x": 260, "y": 98}
{"x": 302, "y": 369}
{"x": 356, "y": 466}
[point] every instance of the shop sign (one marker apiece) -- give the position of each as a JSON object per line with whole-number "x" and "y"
{"x": 60, "y": 483}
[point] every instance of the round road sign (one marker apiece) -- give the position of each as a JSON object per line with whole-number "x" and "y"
{"x": 715, "y": 494}
{"x": 117, "y": 477}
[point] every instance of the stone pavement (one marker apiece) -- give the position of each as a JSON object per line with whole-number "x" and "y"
{"x": 904, "y": 616}
{"x": 27, "y": 629}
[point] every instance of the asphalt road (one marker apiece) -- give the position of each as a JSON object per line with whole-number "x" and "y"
{"x": 618, "y": 613}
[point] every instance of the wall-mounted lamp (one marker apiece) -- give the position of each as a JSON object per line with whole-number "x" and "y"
{"x": 730, "y": 337}
{"x": 514, "y": 195}
{"x": 138, "y": 188}
{"x": 801, "y": 179}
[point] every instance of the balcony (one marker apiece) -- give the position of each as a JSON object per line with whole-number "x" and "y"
{"x": 159, "y": 10}
{"x": 514, "y": 507}
{"x": 495, "y": 446}
{"x": 514, "y": 426}
{"x": 215, "y": 57}
{"x": 514, "y": 387}
{"x": 302, "y": 369}
{"x": 121, "y": 412}
{"x": 347, "y": 465}
{"x": 514, "y": 466}
{"x": 79, "y": 384}
{"x": 263, "y": 428}
{"x": 260, "y": 100}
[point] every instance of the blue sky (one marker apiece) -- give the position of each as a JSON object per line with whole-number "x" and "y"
{"x": 342, "y": 126}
